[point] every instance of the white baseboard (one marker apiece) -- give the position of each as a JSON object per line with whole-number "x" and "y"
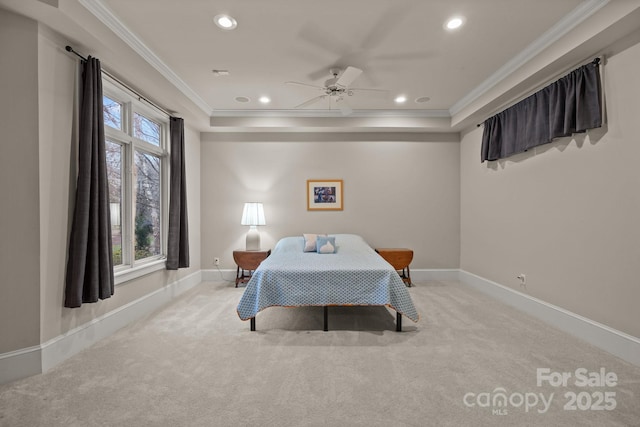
{"x": 424, "y": 275}
{"x": 219, "y": 275}
{"x": 37, "y": 359}
{"x": 618, "y": 343}
{"x": 20, "y": 364}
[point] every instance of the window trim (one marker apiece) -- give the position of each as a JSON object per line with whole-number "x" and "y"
{"x": 126, "y": 274}
{"x": 132, "y": 268}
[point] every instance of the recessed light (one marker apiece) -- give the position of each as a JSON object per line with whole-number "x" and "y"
{"x": 400, "y": 99}
{"x": 225, "y": 22}
{"x": 242, "y": 99}
{"x": 264, "y": 99}
{"x": 423, "y": 99}
{"x": 454, "y": 23}
{"x": 220, "y": 73}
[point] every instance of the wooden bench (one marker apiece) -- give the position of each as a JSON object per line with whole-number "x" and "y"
{"x": 399, "y": 258}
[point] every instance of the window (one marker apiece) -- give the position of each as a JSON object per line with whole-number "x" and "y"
{"x": 136, "y": 151}
{"x": 114, "y": 175}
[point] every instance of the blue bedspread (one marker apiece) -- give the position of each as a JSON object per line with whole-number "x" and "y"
{"x": 354, "y": 275}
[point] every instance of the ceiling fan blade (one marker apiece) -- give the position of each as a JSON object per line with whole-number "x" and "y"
{"x": 324, "y": 39}
{"x": 317, "y": 74}
{"x": 311, "y": 101}
{"x": 389, "y": 21}
{"x": 348, "y": 76}
{"x": 304, "y": 84}
{"x": 345, "y": 109}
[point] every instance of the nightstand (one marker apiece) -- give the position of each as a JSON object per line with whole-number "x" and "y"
{"x": 399, "y": 258}
{"x": 247, "y": 262}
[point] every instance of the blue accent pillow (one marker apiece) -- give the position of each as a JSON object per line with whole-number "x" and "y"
{"x": 326, "y": 245}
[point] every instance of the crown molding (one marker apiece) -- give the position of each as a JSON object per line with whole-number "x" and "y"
{"x": 586, "y": 9}
{"x": 105, "y": 15}
{"x": 331, "y": 113}
{"x": 555, "y": 33}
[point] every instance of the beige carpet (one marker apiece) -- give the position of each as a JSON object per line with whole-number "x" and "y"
{"x": 195, "y": 363}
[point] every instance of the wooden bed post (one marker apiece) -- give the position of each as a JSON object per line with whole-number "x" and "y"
{"x": 253, "y": 323}
{"x": 398, "y": 322}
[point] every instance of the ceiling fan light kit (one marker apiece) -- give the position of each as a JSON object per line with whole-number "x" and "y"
{"x": 336, "y": 88}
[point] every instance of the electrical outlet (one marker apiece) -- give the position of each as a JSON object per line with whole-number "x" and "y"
{"x": 216, "y": 261}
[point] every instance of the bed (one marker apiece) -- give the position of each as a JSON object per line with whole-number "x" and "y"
{"x": 354, "y": 275}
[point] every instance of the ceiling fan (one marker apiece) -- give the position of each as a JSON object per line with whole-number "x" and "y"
{"x": 336, "y": 88}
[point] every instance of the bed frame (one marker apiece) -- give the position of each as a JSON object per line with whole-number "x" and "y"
{"x": 326, "y": 321}
{"x": 354, "y": 275}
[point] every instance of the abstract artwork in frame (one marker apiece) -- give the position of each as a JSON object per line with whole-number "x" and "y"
{"x": 324, "y": 195}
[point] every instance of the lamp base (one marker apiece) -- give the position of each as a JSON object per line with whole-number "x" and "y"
{"x": 253, "y": 239}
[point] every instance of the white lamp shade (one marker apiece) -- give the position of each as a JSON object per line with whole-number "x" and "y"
{"x": 253, "y": 214}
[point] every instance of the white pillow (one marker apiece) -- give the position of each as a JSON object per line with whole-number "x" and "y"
{"x": 310, "y": 241}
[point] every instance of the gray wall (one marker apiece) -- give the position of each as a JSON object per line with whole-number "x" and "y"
{"x": 58, "y": 75}
{"x": 37, "y": 165}
{"x": 19, "y": 216}
{"x": 397, "y": 192}
{"x": 566, "y": 214}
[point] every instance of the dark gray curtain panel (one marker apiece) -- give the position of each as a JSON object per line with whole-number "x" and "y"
{"x": 567, "y": 106}
{"x": 89, "y": 274}
{"x": 178, "y": 240}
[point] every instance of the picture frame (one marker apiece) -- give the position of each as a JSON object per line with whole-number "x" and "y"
{"x": 325, "y": 195}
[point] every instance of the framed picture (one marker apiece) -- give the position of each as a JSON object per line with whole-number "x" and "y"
{"x": 324, "y": 195}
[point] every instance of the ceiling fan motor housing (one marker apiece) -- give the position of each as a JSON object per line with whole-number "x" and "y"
{"x": 334, "y": 90}
{"x": 335, "y": 87}
{"x": 332, "y": 83}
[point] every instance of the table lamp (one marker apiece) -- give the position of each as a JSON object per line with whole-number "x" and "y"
{"x": 253, "y": 215}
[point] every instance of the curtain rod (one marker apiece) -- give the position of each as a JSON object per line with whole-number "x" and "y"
{"x": 596, "y": 61}
{"x": 126, "y": 86}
